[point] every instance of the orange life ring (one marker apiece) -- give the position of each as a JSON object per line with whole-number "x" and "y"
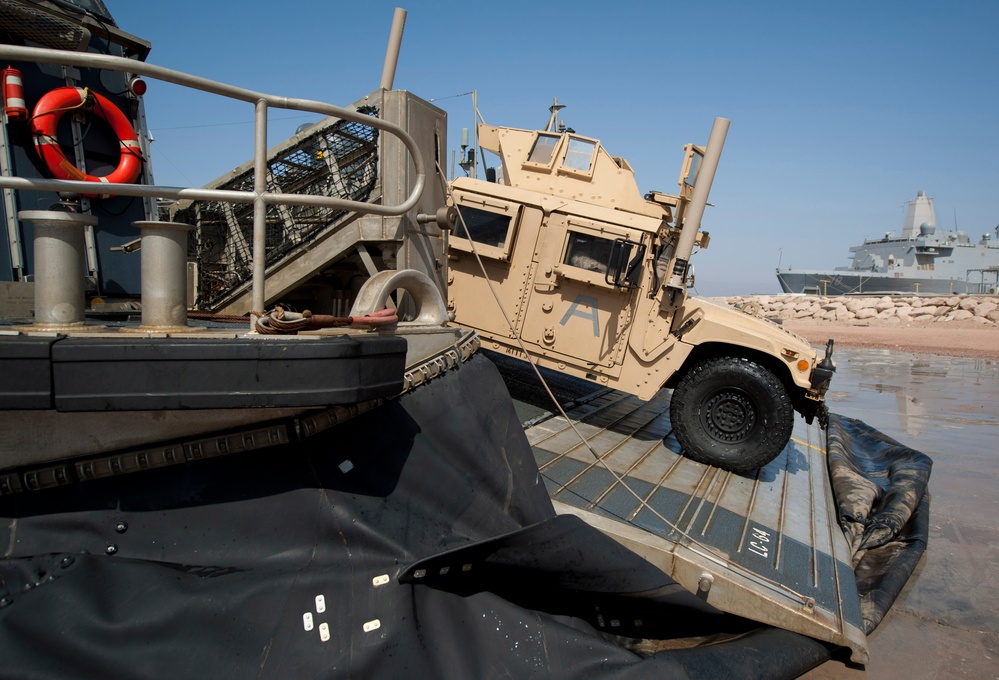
{"x": 45, "y": 120}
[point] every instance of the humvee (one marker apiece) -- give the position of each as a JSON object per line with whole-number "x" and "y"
{"x": 592, "y": 280}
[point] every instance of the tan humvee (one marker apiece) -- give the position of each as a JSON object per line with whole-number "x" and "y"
{"x": 592, "y": 278}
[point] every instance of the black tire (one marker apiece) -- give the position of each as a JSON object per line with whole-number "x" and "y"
{"x": 732, "y": 413}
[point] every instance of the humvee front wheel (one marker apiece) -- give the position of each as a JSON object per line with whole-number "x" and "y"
{"x": 732, "y": 413}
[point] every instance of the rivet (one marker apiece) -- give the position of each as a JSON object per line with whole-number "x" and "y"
{"x": 111, "y": 549}
{"x": 121, "y": 527}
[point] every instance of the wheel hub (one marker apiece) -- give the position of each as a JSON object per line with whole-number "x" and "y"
{"x": 729, "y": 417}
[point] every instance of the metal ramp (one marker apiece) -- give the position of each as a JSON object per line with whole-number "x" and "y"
{"x": 332, "y": 158}
{"x": 766, "y": 547}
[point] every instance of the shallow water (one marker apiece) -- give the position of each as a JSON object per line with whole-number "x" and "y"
{"x": 948, "y": 408}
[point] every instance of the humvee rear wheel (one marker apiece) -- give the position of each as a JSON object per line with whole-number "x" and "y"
{"x": 732, "y": 413}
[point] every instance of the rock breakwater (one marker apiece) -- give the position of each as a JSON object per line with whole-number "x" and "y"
{"x": 969, "y": 310}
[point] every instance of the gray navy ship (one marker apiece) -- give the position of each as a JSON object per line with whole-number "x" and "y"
{"x": 923, "y": 259}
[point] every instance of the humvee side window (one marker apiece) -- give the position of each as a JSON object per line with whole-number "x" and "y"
{"x": 544, "y": 149}
{"x": 588, "y": 252}
{"x": 487, "y": 228}
{"x": 579, "y": 156}
{"x": 614, "y": 261}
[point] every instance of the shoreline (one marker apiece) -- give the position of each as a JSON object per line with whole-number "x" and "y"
{"x": 950, "y": 341}
{"x": 952, "y": 325}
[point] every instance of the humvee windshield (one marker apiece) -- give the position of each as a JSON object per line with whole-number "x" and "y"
{"x": 580, "y": 154}
{"x": 544, "y": 148}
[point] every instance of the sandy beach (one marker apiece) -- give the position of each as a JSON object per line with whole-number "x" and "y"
{"x": 956, "y": 338}
{"x": 949, "y": 325}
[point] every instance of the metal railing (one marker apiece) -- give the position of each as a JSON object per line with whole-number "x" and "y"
{"x": 260, "y": 197}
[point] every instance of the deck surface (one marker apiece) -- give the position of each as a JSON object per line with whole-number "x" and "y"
{"x": 768, "y": 543}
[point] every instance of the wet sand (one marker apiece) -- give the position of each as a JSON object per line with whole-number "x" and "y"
{"x": 955, "y": 338}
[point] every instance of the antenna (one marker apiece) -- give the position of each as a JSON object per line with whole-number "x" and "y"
{"x": 467, "y": 161}
{"x": 552, "y": 125}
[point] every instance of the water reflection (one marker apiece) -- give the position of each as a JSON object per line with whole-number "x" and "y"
{"x": 939, "y": 405}
{"x": 948, "y": 408}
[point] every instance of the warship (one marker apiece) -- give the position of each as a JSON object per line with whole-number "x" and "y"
{"x": 922, "y": 259}
{"x": 196, "y": 480}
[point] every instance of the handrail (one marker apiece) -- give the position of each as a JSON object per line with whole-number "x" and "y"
{"x": 260, "y": 197}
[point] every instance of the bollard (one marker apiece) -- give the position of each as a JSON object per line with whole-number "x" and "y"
{"x": 59, "y": 244}
{"x": 164, "y": 277}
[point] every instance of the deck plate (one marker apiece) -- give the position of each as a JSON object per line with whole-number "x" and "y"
{"x": 766, "y": 546}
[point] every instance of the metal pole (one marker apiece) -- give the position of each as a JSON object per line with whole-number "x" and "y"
{"x": 698, "y": 201}
{"x": 10, "y": 209}
{"x": 475, "y": 133}
{"x": 392, "y": 53}
{"x": 259, "y": 210}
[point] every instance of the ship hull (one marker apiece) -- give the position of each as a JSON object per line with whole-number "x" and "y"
{"x": 833, "y": 282}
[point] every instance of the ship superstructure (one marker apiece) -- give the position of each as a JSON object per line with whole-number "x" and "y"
{"x": 922, "y": 259}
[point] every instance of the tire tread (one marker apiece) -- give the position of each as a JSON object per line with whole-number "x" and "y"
{"x": 744, "y": 457}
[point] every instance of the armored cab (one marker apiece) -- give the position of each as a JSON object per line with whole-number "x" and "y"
{"x": 589, "y": 278}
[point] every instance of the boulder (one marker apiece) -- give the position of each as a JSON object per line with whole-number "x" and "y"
{"x": 983, "y": 308}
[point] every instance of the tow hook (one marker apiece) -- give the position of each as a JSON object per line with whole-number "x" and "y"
{"x": 827, "y": 362}
{"x": 823, "y": 372}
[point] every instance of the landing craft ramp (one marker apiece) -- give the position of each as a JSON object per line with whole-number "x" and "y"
{"x": 764, "y": 546}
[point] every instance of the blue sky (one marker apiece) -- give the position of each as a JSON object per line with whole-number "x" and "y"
{"x": 841, "y": 112}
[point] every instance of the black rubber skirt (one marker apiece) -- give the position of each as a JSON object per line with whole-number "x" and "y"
{"x": 416, "y": 540}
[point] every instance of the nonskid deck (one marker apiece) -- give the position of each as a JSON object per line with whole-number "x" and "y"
{"x": 765, "y": 546}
